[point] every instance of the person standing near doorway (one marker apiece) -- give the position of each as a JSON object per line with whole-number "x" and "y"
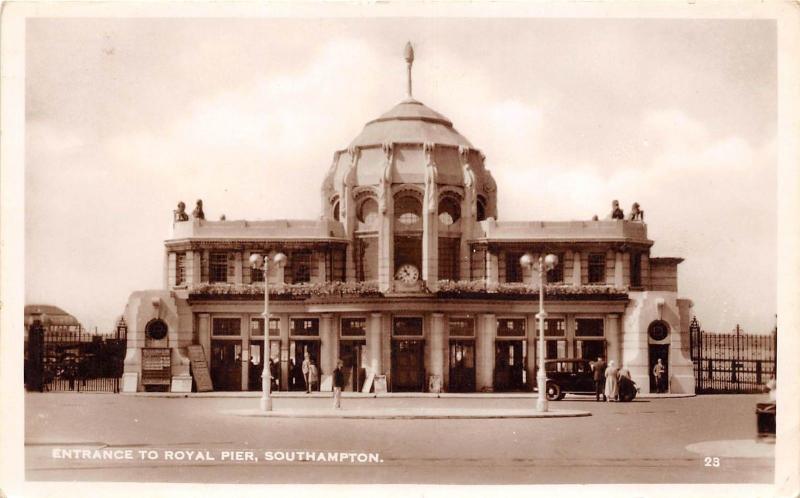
{"x": 306, "y": 367}
{"x": 599, "y": 375}
{"x": 313, "y": 375}
{"x": 659, "y": 372}
{"x": 338, "y": 384}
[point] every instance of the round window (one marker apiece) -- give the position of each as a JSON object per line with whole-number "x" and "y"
{"x": 156, "y": 330}
{"x": 658, "y": 330}
{"x": 408, "y": 210}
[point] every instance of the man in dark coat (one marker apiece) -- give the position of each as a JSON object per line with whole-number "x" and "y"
{"x": 338, "y": 384}
{"x": 599, "y": 374}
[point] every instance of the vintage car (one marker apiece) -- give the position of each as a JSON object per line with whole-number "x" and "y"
{"x": 568, "y": 375}
{"x": 575, "y": 376}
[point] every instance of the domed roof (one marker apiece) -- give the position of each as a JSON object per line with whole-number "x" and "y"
{"x": 410, "y": 121}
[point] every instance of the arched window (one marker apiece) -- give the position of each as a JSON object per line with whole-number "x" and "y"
{"x": 481, "y": 208}
{"x": 368, "y": 211}
{"x": 408, "y": 210}
{"x": 449, "y": 211}
{"x": 335, "y": 210}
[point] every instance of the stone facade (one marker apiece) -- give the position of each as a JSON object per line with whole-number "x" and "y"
{"x": 410, "y": 273}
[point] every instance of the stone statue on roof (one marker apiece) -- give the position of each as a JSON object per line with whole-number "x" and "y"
{"x": 636, "y": 213}
{"x": 180, "y": 213}
{"x": 616, "y": 212}
{"x": 198, "y": 213}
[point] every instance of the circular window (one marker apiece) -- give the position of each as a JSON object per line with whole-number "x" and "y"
{"x": 449, "y": 211}
{"x": 156, "y": 330}
{"x": 368, "y": 211}
{"x": 408, "y": 210}
{"x": 658, "y": 330}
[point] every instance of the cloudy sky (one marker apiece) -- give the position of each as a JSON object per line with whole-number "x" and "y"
{"x": 126, "y": 117}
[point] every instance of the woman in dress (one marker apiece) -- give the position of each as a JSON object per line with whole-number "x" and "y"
{"x": 612, "y": 388}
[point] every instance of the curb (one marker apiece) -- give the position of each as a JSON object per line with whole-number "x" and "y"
{"x": 352, "y": 395}
{"x": 412, "y": 414}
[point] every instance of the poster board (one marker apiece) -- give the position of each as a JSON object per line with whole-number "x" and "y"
{"x": 156, "y": 367}
{"x": 367, "y": 387}
{"x": 202, "y": 377}
{"x": 380, "y": 384}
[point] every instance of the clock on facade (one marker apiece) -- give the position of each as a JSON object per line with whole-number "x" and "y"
{"x": 407, "y": 273}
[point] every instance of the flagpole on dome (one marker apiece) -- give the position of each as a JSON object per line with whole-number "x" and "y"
{"x": 409, "y": 56}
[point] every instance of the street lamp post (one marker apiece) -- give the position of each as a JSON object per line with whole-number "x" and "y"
{"x": 545, "y": 263}
{"x": 259, "y": 261}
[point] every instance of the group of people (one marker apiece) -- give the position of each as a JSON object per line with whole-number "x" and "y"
{"x": 612, "y": 383}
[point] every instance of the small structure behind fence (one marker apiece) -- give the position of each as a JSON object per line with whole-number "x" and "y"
{"x": 57, "y": 359}
{"x": 734, "y": 362}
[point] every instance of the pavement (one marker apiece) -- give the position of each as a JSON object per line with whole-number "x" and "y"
{"x": 408, "y": 413}
{"x": 647, "y": 441}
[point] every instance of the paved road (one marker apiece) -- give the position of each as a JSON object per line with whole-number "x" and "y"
{"x": 648, "y": 441}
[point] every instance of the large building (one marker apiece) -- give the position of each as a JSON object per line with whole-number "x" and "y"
{"x": 409, "y": 273}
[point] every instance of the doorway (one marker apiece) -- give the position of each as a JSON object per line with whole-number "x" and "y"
{"x": 226, "y": 365}
{"x": 462, "y": 366}
{"x": 297, "y": 350}
{"x": 656, "y": 352}
{"x": 510, "y": 362}
{"x": 408, "y": 365}
{"x": 353, "y": 355}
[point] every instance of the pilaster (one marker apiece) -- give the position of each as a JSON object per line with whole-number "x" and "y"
{"x": 484, "y": 354}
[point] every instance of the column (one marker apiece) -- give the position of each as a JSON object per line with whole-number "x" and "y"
{"x": 374, "y": 343}
{"x": 613, "y": 338}
{"x": 244, "y": 332}
{"x": 321, "y": 267}
{"x": 430, "y": 248}
{"x": 283, "y": 325}
{"x": 484, "y": 352}
{"x": 386, "y": 244}
{"x": 492, "y": 267}
{"x": 619, "y": 282}
{"x": 436, "y": 361}
{"x": 576, "y": 268}
{"x": 329, "y": 344}
{"x": 532, "y": 330}
{"x": 193, "y": 267}
{"x": 204, "y": 334}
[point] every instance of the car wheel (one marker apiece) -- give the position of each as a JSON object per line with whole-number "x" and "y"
{"x": 553, "y": 392}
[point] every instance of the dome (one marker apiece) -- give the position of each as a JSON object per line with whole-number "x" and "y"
{"x": 410, "y": 121}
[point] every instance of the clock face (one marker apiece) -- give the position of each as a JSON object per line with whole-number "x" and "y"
{"x": 407, "y": 273}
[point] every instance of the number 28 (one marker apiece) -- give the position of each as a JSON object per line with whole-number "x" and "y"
{"x": 711, "y": 461}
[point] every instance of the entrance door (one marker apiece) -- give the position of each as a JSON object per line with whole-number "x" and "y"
{"x": 352, "y": 352}
{"x": 408, "y": 365}
{"x": 509, "y": 365}
{"x": 657, "y": 351}
{"x": 226, "y": 365}
{"x": 297, "y": 351}
{"x": 462, "y": 366}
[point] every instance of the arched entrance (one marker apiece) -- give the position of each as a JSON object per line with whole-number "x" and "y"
{"x": 658, "y": 349}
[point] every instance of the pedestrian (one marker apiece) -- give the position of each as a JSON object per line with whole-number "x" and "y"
{"x": 599, "y": 375}
{"x": 338, "y": 384}
{"x": 626, "y": 387}
{"x": 659, "y": 372}
{"x": 612, "y": 386}
{"x": 274, "y": 373}
{"x": 313, "y": 376}
{"x": 306, "y": 366}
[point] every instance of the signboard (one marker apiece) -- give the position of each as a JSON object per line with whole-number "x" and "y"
{"x": 368, "y": 383}
{"x": 156, "y": 366}
{"x": 200, "y": 368}
{"x": 380, "y": 384}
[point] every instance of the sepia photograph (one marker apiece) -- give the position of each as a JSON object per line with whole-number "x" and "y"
{"x": 442, "y": 245}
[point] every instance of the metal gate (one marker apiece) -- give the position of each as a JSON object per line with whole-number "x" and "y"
{"x": 733, "y": 362}
{"x": 67, "y": 360}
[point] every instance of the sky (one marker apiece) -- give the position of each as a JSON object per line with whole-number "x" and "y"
{"x": 125, "y": 117}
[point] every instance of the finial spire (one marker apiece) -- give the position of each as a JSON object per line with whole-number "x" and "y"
{"x": 409, "y": 55}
